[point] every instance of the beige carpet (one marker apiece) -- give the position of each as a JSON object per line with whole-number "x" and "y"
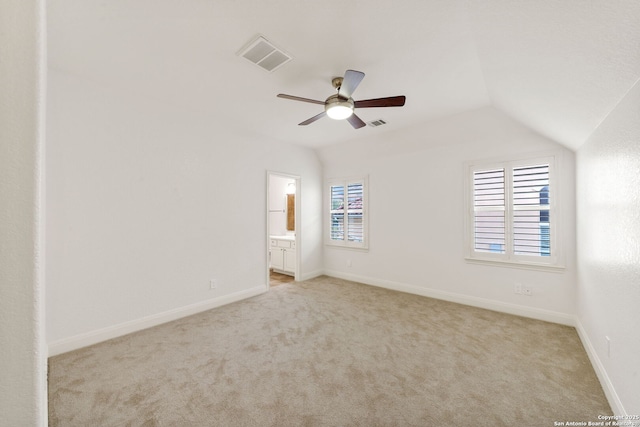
{"x": 328, "y": 352}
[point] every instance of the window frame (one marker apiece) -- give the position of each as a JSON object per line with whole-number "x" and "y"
{"x": 552, "y": 262}
{"x": 345, "y": 243}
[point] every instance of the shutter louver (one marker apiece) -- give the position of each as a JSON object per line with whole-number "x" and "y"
{"x": 489, "y": 211}
{"x": 531, "y": 226}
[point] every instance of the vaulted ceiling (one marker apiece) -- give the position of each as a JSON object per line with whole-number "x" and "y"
{"x": 558, "y": 67}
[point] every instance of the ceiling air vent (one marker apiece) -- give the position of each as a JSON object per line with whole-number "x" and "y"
{"x": 264, "y": 54}
{"x": 376, "y": 123}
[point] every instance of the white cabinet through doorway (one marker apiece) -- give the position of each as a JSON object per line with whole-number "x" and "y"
{"x": 283, "y": 255}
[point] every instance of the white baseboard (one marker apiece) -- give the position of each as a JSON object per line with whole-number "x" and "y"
{"x": 518, "y": 310}
{"x": 94, "y": 337}
{"x": 598, "y": 367}
{"x": 311, "y": 275}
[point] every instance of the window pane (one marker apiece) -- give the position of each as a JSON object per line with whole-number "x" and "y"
{"x": 354, "y": 196}
{"x": 355, "y": 226}
{"x": 337, "y": 197}
{"x": 355, "y": 223}
{"x": 488, "y": 188}
{"x": 488, "y": 203}
{"x": 337, "y": 226}
{"x": 530, "y": 235}
{"x": 489, "y": 231}
{"x": 531, "y": 185}
{"x": 337, "y": 212}
{"x": 531, "y": 197}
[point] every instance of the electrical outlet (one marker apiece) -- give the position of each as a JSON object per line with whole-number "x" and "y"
{"x": 212, "y": 284}
{"x": 527, "y": 290}
{"x": 348, "y": 263}
{"x": 517, "y": 289}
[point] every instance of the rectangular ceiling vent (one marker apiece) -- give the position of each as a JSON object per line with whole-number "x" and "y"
{"x": 264, "y": 54}
{"x": 376, "y": 123}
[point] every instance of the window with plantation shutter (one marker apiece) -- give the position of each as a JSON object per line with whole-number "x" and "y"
{"x": 347, "y": 213}
{"x": 511, "y": 212}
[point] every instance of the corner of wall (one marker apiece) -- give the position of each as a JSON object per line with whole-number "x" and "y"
{"x": 598, "y": 367}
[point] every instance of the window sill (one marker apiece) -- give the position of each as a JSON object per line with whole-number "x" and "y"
{"x": 516, "y": 264}
{"x": 353, "y": 248}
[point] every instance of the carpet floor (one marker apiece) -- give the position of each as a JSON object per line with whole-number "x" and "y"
{"x": 328, "y": 352}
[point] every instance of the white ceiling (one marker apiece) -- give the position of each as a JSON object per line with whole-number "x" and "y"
{"x": 558, "y": 67}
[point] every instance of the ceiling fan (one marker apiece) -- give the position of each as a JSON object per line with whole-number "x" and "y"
{"x": 340, "y": 106}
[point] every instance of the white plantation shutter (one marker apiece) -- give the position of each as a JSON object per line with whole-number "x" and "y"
{"x": 347, "y": 213}
{"x": 531, "y": 210}
{"x": 355, "y": 212}
{"x": 337, "y": 212}
{"x": 511, "y": 212}
{"x": 489, "y": 211}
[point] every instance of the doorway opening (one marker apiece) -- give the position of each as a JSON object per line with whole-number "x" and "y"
{"x": 283, "y": 228}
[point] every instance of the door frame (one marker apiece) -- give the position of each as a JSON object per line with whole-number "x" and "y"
{"x": 297, "y": 221}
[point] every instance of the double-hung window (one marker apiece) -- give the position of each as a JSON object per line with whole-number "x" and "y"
{"x": 348, "y": 213}
{"x": 512, "y": 214}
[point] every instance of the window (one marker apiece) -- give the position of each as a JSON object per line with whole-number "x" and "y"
{"x": 512, "y": 212}
{"x": 348, "y": 213}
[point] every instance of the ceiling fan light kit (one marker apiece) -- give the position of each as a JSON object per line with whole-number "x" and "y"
{"x": 338, "y": 108}
{"x": 341, "y": 105}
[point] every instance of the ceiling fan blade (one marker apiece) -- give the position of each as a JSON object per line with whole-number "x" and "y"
{"x": 392, "y": 101}
{"x": 350, "y": 82}
{"x": 355, "y": 121}
{"x": 313, "y": 119}
{"x": 297, "y": 98}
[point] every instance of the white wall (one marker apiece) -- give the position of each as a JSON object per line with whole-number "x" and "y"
{"x": 23, "y": 363}
{"x": 608, "y": 232}
{"x": 147, "y": 204}
{"x": 416, "y": 206}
